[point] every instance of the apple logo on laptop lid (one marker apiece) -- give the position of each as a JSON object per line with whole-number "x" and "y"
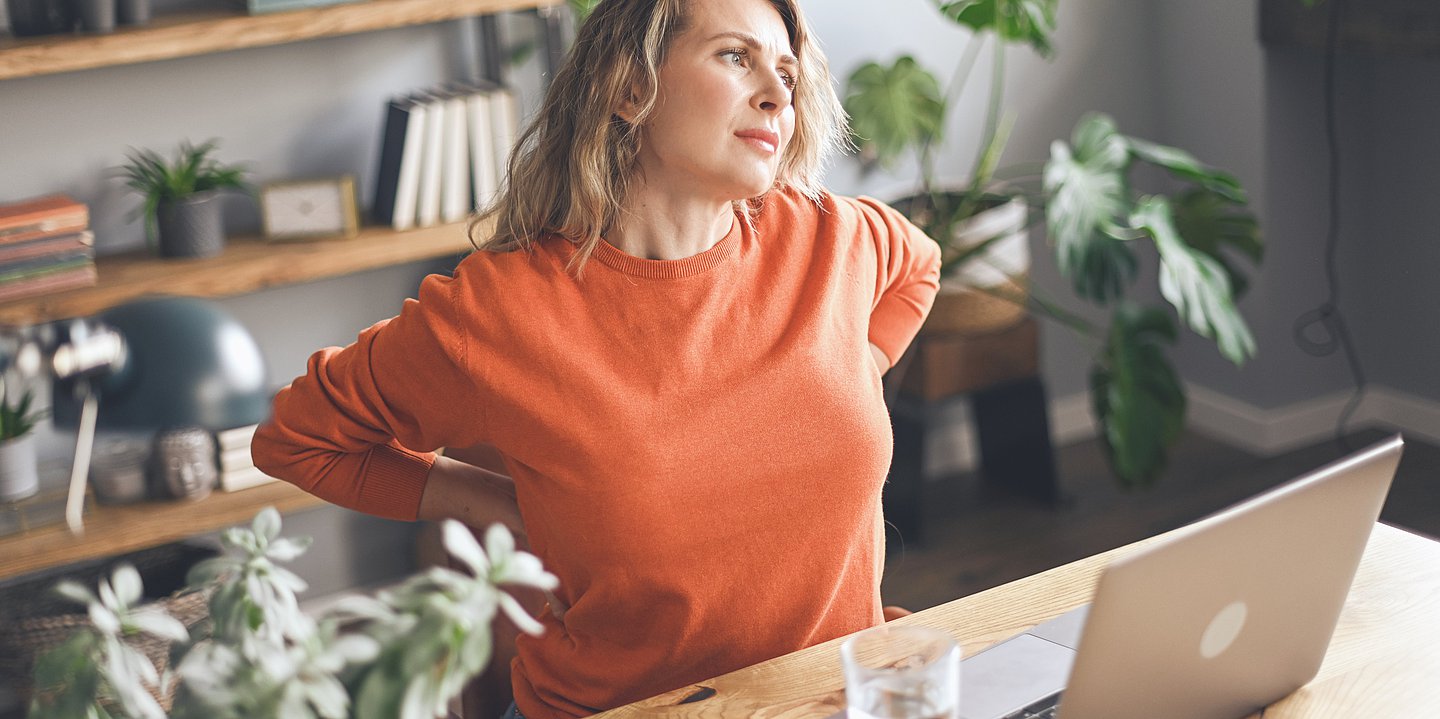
{"x": 1223, "y": 630}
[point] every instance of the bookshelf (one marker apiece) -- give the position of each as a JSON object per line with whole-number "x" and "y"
{"x": 247, "y": 264}
{"x": 200, "y": 33}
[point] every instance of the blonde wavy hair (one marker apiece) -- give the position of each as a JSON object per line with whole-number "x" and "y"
{"x": 573, "y": 167}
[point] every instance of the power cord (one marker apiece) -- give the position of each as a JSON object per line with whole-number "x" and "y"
{"x": 1327, "y": 317}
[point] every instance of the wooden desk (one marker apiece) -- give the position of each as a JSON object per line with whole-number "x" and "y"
{"x": 1382, "y": 661}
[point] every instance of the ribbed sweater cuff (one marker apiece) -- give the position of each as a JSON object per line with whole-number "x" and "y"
{"x": 394, "y": 482}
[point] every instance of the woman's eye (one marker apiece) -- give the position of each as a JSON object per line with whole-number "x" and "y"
{"x": 789, "y": 79}
{"x": 737, "y": 56}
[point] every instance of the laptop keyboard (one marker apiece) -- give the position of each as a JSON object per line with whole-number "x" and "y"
{"x": 1043, "y": 709}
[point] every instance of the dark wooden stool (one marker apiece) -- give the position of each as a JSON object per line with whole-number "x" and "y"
{"x": 1000, "y": 374}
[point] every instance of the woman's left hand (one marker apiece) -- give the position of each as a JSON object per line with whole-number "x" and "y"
{"x": 882, "y": 362}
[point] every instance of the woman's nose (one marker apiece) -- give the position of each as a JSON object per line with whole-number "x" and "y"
{"x": 775, "y": 96}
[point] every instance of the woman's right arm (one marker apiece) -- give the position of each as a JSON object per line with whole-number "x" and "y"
{"x": 360, "y": 427}
{"x": 474, "y": 496}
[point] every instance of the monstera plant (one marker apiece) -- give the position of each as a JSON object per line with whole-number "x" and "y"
{"x": 1096, "y": 220}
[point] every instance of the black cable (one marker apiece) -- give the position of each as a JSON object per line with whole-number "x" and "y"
{"x": 1327, "y": 315}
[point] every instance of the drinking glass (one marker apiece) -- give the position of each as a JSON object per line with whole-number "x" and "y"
{"x": 901, "y": 672}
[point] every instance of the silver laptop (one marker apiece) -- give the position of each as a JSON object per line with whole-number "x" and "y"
{"x": 1226, "y": 616}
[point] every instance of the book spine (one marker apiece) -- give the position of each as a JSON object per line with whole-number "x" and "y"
{"x": 235, "y": 438}
{"x": 392, "y": 150}
{"x": 82, "y": 276}
{"x": 46, "y": 246}
{"x": 408, "y": 184}
{"x": 482, "y": 149}
{"x": 455, "y": 184}
{"x": 427, "y": 213}
{"x": 504, "y": 119}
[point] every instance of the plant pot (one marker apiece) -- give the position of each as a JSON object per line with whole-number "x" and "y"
{"x": 963, "y": 305}
{"x": 95, "y": 16}
{"x": 19, "y": 471}
{"x": 190, "y": 226}
{"x": 39, "y": 17}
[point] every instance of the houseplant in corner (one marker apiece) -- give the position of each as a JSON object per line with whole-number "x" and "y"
{"x": 1094, "y": 219}
{"x": 182, "y": 197}
{"x": 403, "y": 653}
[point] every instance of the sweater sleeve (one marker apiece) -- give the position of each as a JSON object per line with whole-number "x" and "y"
{"x": 907, "y": 279}
{"x": 359, "y": 428}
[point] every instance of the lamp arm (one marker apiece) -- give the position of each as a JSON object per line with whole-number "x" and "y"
{"x": 80, "y": 468}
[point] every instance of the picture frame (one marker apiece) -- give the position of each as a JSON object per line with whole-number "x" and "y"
{"x": 310, "y": 209}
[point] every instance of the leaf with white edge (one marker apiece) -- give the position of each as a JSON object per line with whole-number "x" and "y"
{"x": 499, "y": 544}
{"x": 286, "y": 549}
{"x": 525, "y": 569}
{"x": 75, "y": 592}
{"x": 104, "y": 619}
{"x": 355, "y": 648}
{"x": 517, "y": 614}
{"x": 127, "y": 584}
{"x": 266, "y": 525}
{"x": 1184, "y": 165}
{"x": 461, "y": 544}
{"x": 1195, "y": 283}
{"x": 289, "y": 579}
{"x": 157, "y": 623}
{"x": 416, "y": 702}
{"x": 1088, "y": 198}
{"x": 107, "y": 595}
{"x": 1020, "y": 21}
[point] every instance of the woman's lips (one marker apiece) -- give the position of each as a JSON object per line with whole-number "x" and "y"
{"x": 764, "y": 140}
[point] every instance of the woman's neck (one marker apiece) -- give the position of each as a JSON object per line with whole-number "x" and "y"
{"x": 657, "y": 226}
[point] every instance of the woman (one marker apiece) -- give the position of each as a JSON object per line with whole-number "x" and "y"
{"x": 674, "y": 339}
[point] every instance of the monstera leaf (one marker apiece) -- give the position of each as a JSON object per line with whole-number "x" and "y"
{"x": 1025, "y": 21}
{"x": 1195, "y": 283}
{"x": 1136, "y": 394}
{"x": 894, "y": 108}
{"x": 1184, "y": 165}
{"x": 1088, "y": 203}
{"x": 1212, "y": 223}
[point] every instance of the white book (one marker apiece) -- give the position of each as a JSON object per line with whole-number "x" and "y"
{"x": 407, "y": 188}
{"x": 482, "y": 149}
{"x": 455, "y": 180}
{"x": 236, "y": 480}
{"x": 235, "y": 458}
{"x": 504, "y": 119}
{"x": 427, "y": 212}
{"x": 235, "y": 438}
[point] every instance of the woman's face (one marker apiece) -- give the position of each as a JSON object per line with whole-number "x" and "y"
{"x": 723, "y": 116}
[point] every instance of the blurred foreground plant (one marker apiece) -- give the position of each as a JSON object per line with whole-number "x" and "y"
{"x": 403, "y": 653}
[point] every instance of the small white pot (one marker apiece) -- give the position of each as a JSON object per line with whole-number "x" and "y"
{"x": 19, "y": 471}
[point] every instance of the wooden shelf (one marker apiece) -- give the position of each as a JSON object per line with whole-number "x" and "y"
{"x": 111, "y": 530}
{"x": 247, "y": 264}
{"x": 200, "y": 33}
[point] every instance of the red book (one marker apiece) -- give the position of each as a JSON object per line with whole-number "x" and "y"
{"x": 42, "y": 217}
{"x": 68, "y": 279}
{"x": 46, "y": 246}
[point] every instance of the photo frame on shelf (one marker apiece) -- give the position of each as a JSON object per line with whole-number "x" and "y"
{"x": 313, "y": 209}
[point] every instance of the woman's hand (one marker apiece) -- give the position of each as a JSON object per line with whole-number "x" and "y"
{"x": 882, "y": 362}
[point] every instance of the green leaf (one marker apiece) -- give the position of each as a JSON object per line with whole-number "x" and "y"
{"x": 583, "y": 8}
{"x": 1211, "y": 223}
{"x": 1195, "y": 283}
{"x": 1031, "y": 22}
{"x": 1088, "y": 201}
{"x": 894, "y": 109}
{"x": 1184, "y": 165}
{"x": 1137, "y": 396}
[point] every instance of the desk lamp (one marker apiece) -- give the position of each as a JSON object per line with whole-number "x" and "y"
{"x": 169, "y": 364}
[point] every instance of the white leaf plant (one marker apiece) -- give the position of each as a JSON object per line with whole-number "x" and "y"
{"x": 404, "y": 652}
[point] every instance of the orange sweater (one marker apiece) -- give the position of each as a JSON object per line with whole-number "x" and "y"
{"x": 698, "y": 445}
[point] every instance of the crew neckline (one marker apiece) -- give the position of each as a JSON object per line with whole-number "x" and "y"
{"x": 617, "y": 259}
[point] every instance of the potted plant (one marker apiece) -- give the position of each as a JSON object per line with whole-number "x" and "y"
{"x": 182, "y": 198}
{"x": 405, "y": 652}
{"x": 19, "y": 473}
{"x": 1095, "y": 220}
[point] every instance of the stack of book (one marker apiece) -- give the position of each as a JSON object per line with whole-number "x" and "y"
{"x": 45, "y": 246}
{"x": 443, "y": 153}
{"x": 237, "y": 470}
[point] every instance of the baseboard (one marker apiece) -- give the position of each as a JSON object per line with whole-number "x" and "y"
{"x": 1273, "y": 431}
{"x": 1265, "y": 432}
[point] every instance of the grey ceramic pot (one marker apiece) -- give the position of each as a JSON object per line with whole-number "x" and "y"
{"x": 191, "y": 227}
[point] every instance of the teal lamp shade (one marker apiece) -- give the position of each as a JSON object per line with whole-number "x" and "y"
{"x": 187, "y": 364}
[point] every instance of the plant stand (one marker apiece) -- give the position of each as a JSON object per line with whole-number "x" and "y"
{"x": 999, "y": 373}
